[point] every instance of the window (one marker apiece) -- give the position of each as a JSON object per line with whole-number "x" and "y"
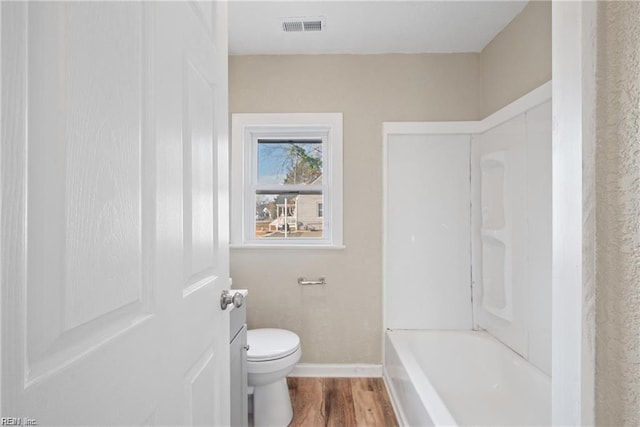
{"x": 287, "y": 180}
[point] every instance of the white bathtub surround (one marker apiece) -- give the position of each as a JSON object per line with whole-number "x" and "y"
{"x": 427, "y": 175}
{"x": 511, "y": 231}
{"x": 502, "y": 187}
{"x": 337, "y": 370}
{"x": 463, "y": 378}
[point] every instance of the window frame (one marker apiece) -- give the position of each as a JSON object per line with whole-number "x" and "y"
{"x": 247, "y": 130}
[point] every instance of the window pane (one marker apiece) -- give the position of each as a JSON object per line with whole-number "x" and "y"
{"x": 289, "y": 162}
{"x": 290, "y": 216}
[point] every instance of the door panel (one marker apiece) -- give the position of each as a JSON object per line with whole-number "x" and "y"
{"x": 84, "y": 265}
{"x": 114, "y": 248}
{"x": 199, "y": 381}
{"x": 199, "y": 181}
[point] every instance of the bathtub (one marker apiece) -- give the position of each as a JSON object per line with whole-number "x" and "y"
{"x": 438, "y": 378}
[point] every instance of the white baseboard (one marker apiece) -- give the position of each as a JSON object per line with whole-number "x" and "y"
{"x": 336, "y": 370}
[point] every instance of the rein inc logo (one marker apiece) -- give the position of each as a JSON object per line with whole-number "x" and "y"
{"x": 18, "y": 421}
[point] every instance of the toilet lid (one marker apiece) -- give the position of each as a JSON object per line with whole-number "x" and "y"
{"x": 269, "y": 344}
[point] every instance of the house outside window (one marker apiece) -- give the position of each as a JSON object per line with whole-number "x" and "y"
{"x": 287, "y": 180}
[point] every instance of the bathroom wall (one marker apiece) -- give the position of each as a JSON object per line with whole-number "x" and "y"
{"x": 518, "y": 59}
{"x": 341, "y": 322}
{"x": 618, "y": 215}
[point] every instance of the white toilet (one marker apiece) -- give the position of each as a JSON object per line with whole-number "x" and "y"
{"x": 271, "y": 357}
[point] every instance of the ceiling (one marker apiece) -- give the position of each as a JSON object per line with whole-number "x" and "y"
{"x": 368, "y": 27}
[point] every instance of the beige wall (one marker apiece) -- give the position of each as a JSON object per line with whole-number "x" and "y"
{"x": 518, "y": 59}
{"x": 618, "y": 215}
{"x": 341, "y": 322}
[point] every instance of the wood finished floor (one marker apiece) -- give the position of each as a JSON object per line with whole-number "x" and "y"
{"x": 343, "y": 402}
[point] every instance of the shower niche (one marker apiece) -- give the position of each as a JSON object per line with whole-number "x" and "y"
{"x": 511, "y": 233}
{"x": 495, "y": 233}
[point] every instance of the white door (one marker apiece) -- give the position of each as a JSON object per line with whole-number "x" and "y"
{"x": 114, "y": 245}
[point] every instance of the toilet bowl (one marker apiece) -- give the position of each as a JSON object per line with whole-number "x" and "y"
{"x": 272, "y": 355}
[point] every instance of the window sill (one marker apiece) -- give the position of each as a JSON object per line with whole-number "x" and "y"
{"x": 288, "y": 246}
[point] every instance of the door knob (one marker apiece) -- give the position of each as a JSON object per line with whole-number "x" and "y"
{"x": 225, "y": 299}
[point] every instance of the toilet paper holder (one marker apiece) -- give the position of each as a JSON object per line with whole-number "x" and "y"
{"x": 318, "y": 281}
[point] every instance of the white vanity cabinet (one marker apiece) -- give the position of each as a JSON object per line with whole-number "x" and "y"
{"x": 238, "y": 348}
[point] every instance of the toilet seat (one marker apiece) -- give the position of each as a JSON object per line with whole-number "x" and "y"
{"x": 267, "y": 344}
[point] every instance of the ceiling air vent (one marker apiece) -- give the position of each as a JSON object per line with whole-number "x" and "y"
{"x": 291, "y": 26}
{"x": 312, "y": 25}
{"x": 302, "y": 24}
